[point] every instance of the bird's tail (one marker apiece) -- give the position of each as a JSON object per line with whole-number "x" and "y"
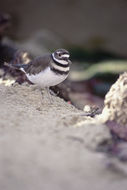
{"x": 13, "y": 66}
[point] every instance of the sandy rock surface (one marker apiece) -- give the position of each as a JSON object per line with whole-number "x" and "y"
{"x": 115, "y": 107}
{"x": 44, "y": 145}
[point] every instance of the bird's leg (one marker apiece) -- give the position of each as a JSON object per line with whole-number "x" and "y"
{"x": 49, "y": 95}
{"x": 42, "y": 99}
{"x": 41, "y": 92}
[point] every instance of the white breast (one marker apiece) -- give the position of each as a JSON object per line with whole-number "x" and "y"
{"x": 46, "y": 78}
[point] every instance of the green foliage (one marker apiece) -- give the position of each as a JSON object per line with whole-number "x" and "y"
{"x": 101, "y": 68}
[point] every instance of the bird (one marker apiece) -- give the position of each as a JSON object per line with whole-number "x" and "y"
{"x": 46, "y": 71}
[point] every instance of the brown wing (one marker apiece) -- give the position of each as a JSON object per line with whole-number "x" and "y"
{"x": 38, "y": 64}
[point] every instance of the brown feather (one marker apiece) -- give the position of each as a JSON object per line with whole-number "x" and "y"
{"x": 38, "y": 64}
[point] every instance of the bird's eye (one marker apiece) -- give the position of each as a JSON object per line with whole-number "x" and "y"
{"x": 59, "y": 54}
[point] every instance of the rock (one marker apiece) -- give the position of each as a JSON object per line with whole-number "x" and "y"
{"x": 115, "y": 107}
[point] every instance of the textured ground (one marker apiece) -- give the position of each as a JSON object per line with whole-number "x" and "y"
{"x": 43, "y": 145}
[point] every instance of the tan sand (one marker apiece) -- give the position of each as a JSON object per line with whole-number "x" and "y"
{"x": 43, "y": 146}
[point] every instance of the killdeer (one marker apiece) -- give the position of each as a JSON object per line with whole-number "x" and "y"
{"x": 48, "y": 70}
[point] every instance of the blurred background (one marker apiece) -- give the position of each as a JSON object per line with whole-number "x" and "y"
{"x": 93, "y": 31}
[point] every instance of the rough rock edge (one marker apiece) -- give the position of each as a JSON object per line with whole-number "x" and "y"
{"x": 115, "y": 104}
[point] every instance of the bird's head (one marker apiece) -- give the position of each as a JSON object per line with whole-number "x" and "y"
{"x": 61, "y": 56}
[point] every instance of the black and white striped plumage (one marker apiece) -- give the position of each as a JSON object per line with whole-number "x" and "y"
{"x": 48, "y": 70}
